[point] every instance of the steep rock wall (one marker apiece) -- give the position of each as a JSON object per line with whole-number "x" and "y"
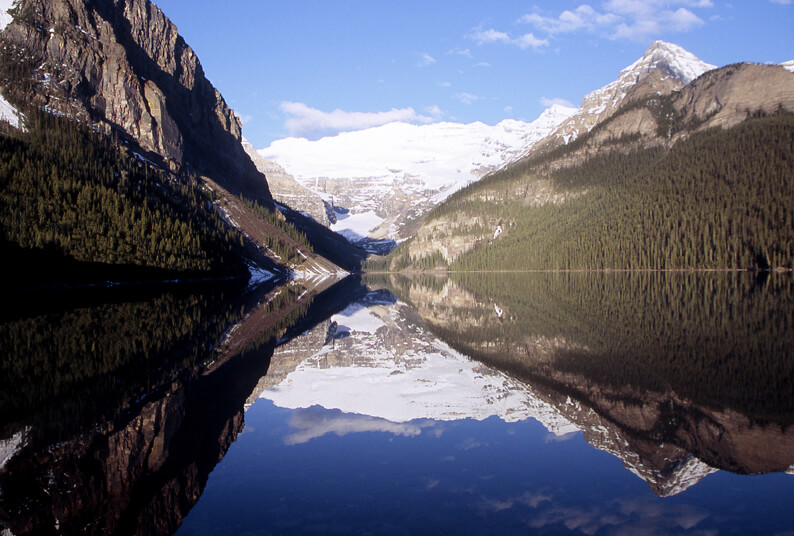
{"x": 122, "y": 65}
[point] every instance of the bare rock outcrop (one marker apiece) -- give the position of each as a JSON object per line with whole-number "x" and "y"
{"x": 728, "y": 96}
{"x": 286, "y": 190}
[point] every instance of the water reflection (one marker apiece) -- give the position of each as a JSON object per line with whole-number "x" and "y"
{"x": 676, "y": 375}
{"x": 117, "y": 408}
{"x": 464, "y": 404}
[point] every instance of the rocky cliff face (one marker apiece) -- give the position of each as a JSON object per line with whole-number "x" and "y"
{"x": 122, "y": 65}
{"x": 286, "y": 190}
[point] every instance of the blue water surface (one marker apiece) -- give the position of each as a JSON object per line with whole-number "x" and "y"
{"x": 460, "y": 477}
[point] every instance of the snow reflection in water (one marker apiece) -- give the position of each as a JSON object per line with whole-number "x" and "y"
{"x": 369, "y": 422}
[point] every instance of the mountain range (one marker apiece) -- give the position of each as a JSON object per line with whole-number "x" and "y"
{"x": 122, "y": 68}
{"x": 376, "y": 180}
{"x": 387, "y": 176}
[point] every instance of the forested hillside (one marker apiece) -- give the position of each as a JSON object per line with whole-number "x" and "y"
{"x": 717, "y": 199}
{"x": 70, "y": 194}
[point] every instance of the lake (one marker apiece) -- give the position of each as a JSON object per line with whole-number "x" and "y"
{"x": 579, "y": 403}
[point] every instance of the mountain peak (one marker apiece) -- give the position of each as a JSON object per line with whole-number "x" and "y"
{"x": 663, "y": 68}
{"x": 663, "y": 55}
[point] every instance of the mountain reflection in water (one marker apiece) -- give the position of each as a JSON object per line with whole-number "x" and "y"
{"x": 554, "y": 336}
{"x": 425, "y": 404}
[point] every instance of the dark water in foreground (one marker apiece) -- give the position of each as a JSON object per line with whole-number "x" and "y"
{"x": 502, "y": 404}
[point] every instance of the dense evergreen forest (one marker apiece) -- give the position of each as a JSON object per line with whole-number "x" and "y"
{"x": 718, "y": 199}
{"x": 721, "y": 340}
{"x": 71, "y": 198}
{"x": 280, "y": 245}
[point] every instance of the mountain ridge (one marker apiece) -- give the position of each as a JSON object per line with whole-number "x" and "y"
{"x": 662, "y": 69}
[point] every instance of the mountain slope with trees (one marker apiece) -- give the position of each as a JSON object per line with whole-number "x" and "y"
{"x": 71, "y": 199}
{"x": 167, "y": 187}
{"x": 661, "y": 184}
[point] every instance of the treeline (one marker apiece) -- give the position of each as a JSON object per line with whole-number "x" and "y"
{"x": 722, "y": 340}
{"x": 67, "y": 189}
{"x": 718, "y": 199}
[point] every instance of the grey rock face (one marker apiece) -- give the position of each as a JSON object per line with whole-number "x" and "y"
{"x": 286, "y": 190}
{"x": 122, "y": 65}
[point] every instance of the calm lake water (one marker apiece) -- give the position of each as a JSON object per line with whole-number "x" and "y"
{"x": 470, "y": 404}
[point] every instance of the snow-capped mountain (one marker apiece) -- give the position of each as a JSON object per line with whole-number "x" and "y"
{"x": 380, "y": 177}
{"x": 663, "y": 68}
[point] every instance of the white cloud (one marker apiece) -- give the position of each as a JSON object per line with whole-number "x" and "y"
{"x": 467, "y": 98}
{"x": 316, "y": 422}
{"x": 435, "y": 111}
{"x": 483, "y": 37}
{"x": 465, "y": 52}
{"x": 681, "y": 20}
{"x": 426, "y": 59}
{"x": 583, "y": 17}
{"x": 529, "y": 41}
{"x": 303, "y": 120}
{"x": 625, "y": 19}
{"x": 545, "y": 101}
{"x": 782, "y": 2}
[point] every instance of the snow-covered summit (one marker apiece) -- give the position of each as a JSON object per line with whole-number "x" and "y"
{"x": 437, "y": 153}
{"x": 399, "y": 170}
{"x": 685, "y": 65}
{"x": 664, "y": 67}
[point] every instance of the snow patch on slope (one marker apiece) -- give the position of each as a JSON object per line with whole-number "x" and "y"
{"x": 355, "y": 226}
{"x": 9, "y": 447}
{"x": 5, "y": 18}
{"x": 357, "y": 318}
{"x": 788, "y": 65}
{"x": 9, "y": 113}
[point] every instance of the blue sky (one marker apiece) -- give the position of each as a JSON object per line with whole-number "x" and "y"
{"x": 312, "y": 68}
